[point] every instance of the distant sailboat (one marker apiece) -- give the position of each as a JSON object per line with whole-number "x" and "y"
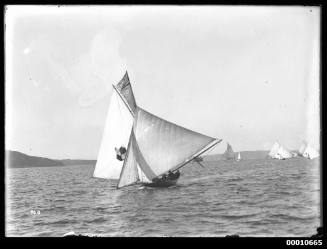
{"x": 302, "y": 148}
{"x": 229, "y": 153}
{"x": 308, "y": 151}
{"x": 279, "y": 152}
{"x": 139, "y": 147}
{"x": 238, "y": 157}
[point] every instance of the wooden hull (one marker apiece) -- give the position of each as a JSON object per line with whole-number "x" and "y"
{"x": 162, "y": 183}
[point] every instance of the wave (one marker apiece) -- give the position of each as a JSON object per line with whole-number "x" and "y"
{"x": 96, "y": 220}
{"x": 238, "y": 216}
{"x": 291, "y": 217}
{"x": 58, "y": 222}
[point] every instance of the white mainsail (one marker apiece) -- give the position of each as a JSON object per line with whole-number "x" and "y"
{"x": 116, "y": 134}
{"x": 117, "y": 130}
{"x": 158, "y": 146}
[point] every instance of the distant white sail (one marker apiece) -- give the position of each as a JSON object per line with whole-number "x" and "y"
{"x": 302, "y": 148}
{"x": 310, "y": 152}
{"x": 274, "y": 150}
{"x": 284, "y": 153}
{"x": 229, "y": 153}
{"x": 279, "y": 152}
{"x": 239, "y": 156}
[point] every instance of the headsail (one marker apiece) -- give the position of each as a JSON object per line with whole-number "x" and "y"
{"x": 117, "y": 130}
{"x": 131, "y": 171}
{"x": 229, "y": 153}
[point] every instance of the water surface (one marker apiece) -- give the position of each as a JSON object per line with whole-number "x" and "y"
{"x": 249, "y": 198}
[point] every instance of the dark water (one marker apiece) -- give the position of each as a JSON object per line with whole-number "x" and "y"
{"x": 250, "y": 198}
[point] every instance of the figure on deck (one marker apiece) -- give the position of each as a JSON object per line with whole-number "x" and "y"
{"x": 121, "y": 153}
{"x": 172, "y": 175}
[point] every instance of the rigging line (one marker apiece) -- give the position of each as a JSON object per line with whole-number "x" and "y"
{"x": 200, "y": 164}
{"x": 210, "y": 149}
{"x": 203, "y": 150}
{"x": 215, "y": 142}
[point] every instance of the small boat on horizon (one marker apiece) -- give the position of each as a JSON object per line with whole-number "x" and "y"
{"x": 238, "y": 157}
{"x": 308, "y": 151}
{"x": 229, "y": 154}
{"x": 279, "y": 152}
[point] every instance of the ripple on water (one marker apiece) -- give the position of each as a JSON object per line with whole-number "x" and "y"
{"x": 251, "y": 198}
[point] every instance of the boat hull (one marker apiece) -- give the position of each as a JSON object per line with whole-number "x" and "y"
{"x": 161, "y": 183}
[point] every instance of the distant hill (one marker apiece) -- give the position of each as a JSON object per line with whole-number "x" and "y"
{"x": 259, "y": 154}
{"x": 15, "y": 159}
{"x": 77, "y": 161}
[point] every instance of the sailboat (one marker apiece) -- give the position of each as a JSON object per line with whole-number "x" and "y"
{"x": 279, "y": 152}
{"x": 238, "y": 157}
{"x": 139, "y": 147}
{"x": 308, "y": 151}
{"x": 229, "y": 153}
{"x": 302, "y": 148}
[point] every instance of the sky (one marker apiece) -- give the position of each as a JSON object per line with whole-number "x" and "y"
{"x": 246, "y": 74}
